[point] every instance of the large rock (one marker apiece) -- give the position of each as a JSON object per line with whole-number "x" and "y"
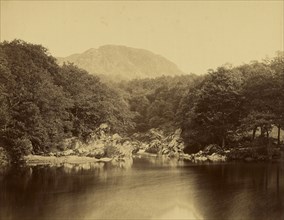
{"x": 135, "y": 146}
{"x": 154, "y": 147}
{"x": 216, "y": 158}
{"x": 70, "y": 143}
{"x": 173, "y": 144}
{"x": 112, "y": 150}
{"x": 116, "y": 138}
{"x": 97, "y": 153}
{"x": 200, "y": 158}
{"x": 213, "y": 148}
{"x": 82, "y": 151}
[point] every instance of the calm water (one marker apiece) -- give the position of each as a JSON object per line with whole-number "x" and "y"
{"x": 150, "y": 188}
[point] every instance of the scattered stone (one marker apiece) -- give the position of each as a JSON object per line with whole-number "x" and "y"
{"x": 116, "y": 137}
{"x": 216, "y": 158}
{"x": 34, "y": 160}
{"x": 200, "y": 159}
{"x": 97, "y": 153}
{"x": 51, "y": 154}
{"x": 67, "y": 153}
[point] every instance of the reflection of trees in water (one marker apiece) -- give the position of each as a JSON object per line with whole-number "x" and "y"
{"x": 35, "y": 191}
{"x": 220, "y": 191}
{"x": 126, "y": 163}
{"x": 161, "y": 160}
{"x": 240, "y": 190}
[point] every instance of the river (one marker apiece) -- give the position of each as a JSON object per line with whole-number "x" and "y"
{"x": 148, "y": 188}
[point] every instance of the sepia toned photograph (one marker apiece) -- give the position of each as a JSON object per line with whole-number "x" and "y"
{"x": 154, "y": 109}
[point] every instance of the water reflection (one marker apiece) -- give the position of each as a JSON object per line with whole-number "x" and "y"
{"x": 126, "y": 163}
{"x": 180, "y": 212}
{"x": 161, "y": 160}
{"x": 147, "y": 188}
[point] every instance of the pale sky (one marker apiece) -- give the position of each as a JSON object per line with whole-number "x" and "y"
{"x": 196, "y": 36}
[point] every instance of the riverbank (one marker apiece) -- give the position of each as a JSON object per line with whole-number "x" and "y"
{"x": 214, "y": 153}
{"x": 34, "y": 160}
{"x": 105, "y": 147}
{"x": 200, "y": 157}
{"x": 102, "y": 147}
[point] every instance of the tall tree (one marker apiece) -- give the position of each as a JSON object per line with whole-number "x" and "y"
{"x": 213, "y": 108}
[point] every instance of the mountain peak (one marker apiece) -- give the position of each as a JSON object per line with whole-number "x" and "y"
{"x": 123, "y": 63}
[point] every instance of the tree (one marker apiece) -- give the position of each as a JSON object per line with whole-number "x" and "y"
{"x": 277, "y": 65}
{"x": 259, "y": 92}
{"x": 212, "y": 110}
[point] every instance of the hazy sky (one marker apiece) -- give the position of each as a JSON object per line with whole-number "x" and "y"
{"x": 194, "y": 35}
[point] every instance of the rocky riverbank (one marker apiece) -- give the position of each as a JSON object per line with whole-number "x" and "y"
{"x": 45, "y": 160}
{"x": 214, "y": 153}
{"x": 103, "y": 147}
{"x": 156, "y": 142}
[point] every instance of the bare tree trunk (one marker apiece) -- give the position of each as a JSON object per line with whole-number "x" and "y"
{"x": 278, "y": 136}
{"x": 262, "y": 131}
{"x": 277, "y": 177}
{"x": 223, "y": 142}
{"x": 253, "y": 133}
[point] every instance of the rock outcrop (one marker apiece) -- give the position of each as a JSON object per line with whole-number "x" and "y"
{"x": 211, "y": 153}
{"x": 99, "y": 145}
{"x": 155, "y": 142}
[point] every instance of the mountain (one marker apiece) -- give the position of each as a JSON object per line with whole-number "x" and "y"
{"x": 122, "y": 63}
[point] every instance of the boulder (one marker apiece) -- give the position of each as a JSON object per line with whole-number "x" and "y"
{"x": 213, "y": 148}
{"x": 173, "y": 154}
{"x": 154, "y": 147}
{"x": 216, "y": 158}
{"x": 155, "y": 134}
{"x": 67, "y": 152}
{"x": 82, "y": 151}
{"x": 200, "y": 158}
{"x": 70, "y": 143}
{"x": 116, "y": 138}
{"x": 112, "y": 150}
{"x": 135, "y": 146}
{"x": 165, "y": 151}
{"x": 188, "y": 157}
{"x": 97, "y": 153}
{"x": 104, "y": 126}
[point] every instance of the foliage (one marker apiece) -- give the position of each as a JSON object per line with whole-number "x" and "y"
{"x": 42, "y": 103}
{"x": 231, "y": 102}
{"x": 212, "y": 110}
{"x": 155, "y": 101}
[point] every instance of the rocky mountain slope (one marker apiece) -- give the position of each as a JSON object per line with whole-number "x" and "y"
{"x": 122, "y": 63}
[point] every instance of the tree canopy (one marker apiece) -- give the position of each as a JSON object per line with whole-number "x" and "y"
{"x": 43, "y": 103}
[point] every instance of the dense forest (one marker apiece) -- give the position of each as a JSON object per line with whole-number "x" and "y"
{"x": 43, "y": 103}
